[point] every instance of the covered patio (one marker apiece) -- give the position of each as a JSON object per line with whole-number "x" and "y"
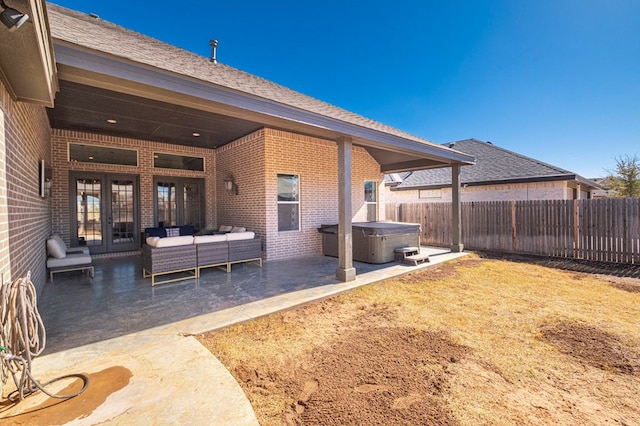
{"x": 78, "y": 310}
{"x": 244, "y": 128}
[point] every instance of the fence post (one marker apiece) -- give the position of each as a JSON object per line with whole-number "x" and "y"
{"x": 514, "y": 244}
{"x": 576, "y": 229}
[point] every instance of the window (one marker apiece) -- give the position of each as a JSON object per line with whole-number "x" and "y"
{"x": 288, "y": 203}
{"x": 179, "y": 162}
{"x": 370, "y": 199}
{"x": 430, "y": 193}
{"x": 81, "y": 153}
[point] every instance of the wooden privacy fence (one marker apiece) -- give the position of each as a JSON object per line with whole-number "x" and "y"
{"x": 602, "y": 230}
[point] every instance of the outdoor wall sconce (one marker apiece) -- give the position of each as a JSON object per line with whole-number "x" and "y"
{"x": 12, "y": 18}
{"x": 231, "y": 186}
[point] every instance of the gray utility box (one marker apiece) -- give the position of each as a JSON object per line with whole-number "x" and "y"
{"x": 373, "y": 242}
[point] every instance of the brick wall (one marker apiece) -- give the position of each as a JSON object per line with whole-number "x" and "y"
{"x": 516, "y": 191}
{"x": 243, "y": 161}
{"x": 25, "y": 217}
{"x": 5, "y": 259}
{"x": 145, "y": 171}
{"x": 316, "y": 162}
{"x": 254, "y": 163}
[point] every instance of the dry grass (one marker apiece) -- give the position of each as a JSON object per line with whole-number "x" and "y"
{"x": 530, "y": 333}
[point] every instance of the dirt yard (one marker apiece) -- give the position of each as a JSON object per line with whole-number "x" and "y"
{"x": 476, "y": 341}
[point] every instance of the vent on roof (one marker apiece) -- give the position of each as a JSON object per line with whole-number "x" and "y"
{"x": 214, "y": 48}
{"x": 490, "y": 143}
{"x": 93, "y": 15}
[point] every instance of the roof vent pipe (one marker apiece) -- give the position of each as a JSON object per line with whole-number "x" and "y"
{"x": 214, "y": 47}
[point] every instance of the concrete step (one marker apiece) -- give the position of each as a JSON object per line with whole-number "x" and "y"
{"x": 416, "y": 259}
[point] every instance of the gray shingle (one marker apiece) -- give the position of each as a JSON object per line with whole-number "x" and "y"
{"x": 493, "y": 165}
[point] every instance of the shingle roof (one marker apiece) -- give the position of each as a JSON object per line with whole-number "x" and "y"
{"x": 493, "y": 165}
{"x": 96, "y": 34}
{"x": 395, "y": 178}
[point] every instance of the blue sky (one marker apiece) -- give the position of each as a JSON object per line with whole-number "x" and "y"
{"x": 558, "y": 81}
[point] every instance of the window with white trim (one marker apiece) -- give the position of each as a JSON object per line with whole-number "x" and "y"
{"x": 288, "y": 202}
{"x": 371, "y": 199}
{"x": 430, "y": 193}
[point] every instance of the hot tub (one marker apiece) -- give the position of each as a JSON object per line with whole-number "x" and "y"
{"x": 373, "y": 242}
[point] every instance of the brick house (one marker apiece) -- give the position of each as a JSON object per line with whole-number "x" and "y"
{"x": 138, "y": 133}
{"x": 497, "y": 175}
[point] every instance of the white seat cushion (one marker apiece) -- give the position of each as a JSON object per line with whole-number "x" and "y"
{"x": 240, "y": 236}
{"x": 59, "y": 239}
{"x": 201, "y": 239}
{"x": 152, "y": 241}
{"x": 172, "y": 241}
{"x": 55, "y": 249}
{"x": 70, "y": 260}
{"x": 69, "y": 250}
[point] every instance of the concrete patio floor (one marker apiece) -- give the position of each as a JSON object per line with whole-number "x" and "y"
{"x": 118, "y": 329}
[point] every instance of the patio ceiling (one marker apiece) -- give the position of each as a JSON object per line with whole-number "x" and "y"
{"x": 86, "y": 108}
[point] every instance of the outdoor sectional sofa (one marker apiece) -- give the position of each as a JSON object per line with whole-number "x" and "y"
{"x": 188, "y": 255}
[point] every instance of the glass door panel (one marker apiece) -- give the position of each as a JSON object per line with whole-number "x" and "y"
{"x": 192, "y": 204}
{"x": 88, "y": 211}
{"x": 122, "y": 213}
{"x": 167, "y": 209}
{"x": 179, "y": 201}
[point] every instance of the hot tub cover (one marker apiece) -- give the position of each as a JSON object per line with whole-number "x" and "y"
{"x": 375, "y": 229}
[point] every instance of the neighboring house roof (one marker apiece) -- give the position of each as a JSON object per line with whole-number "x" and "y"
{"x": 85, "y": 42}
{"x": 395, "y": 178}
{"x": 606, "y": 188}
{"x": 494, "y": 165}
{"x": 605, "y": 182}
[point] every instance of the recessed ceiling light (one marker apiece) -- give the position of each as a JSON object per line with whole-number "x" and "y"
{"x": 196, "y": 134}
{"x": 112, "y": 121}
{"x": 91, "y": 157}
